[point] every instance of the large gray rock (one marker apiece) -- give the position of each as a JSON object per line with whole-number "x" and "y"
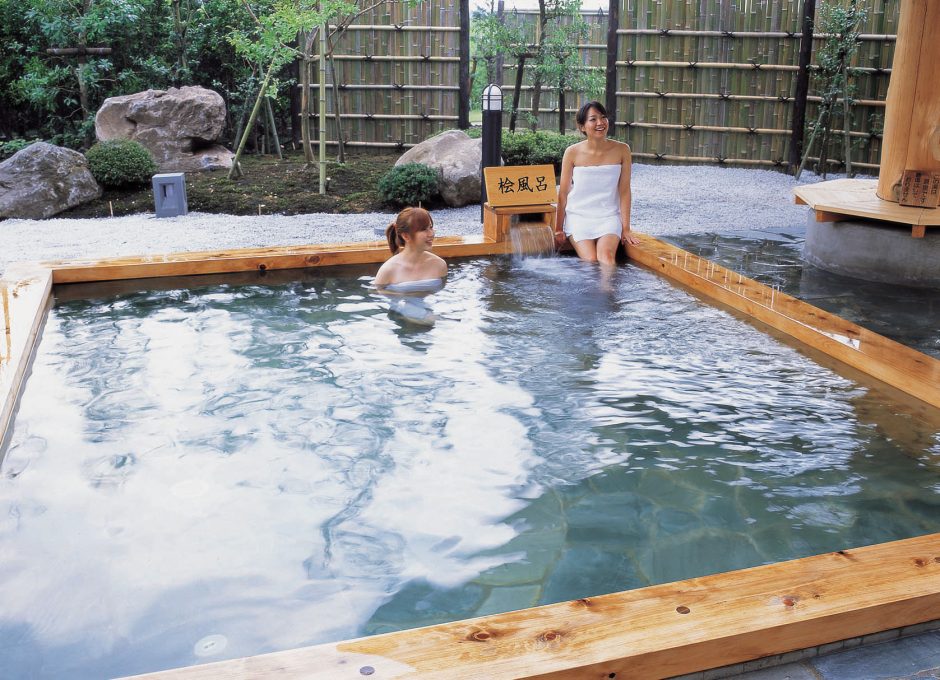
{"x": 179, "y": 126}
{"x": 457, "y": 158}
{"x": 43, "y": 180}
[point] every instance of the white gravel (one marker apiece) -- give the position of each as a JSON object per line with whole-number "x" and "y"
{"x": 666, "y": 200}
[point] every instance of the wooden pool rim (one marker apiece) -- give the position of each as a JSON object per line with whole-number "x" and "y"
{"x": 658, "y": 631}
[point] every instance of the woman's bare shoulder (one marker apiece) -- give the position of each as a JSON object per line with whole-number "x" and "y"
{"x": 439, "y": 264}
{"x": 573, "y": 151}
{"x": 622, "y": 147}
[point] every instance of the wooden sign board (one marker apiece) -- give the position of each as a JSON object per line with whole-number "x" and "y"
{"x": 520, "y": 185}
{"x": 920, "y": 189}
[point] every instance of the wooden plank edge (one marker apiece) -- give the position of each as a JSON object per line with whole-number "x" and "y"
{"x": 915, "y": 377}
{"x": 28, "y": 294}
{"x": 241, "y": 260}
{"x": 654, "y": 632}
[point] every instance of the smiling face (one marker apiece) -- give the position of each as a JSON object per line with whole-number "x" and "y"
{"x": 421, "y": 232}
{"x": 595, "y": 124}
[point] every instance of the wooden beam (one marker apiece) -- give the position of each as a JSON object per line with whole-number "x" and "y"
{"x": 24, "y": 293}
{"x": 825, "y": 216}
{"x": 886, "y": 360}
{"x": 912, "y": 107}
{"x": 802, "y": 83}
{"x": 918, "y": 231}
{"x": 654, "y": 632}
{"x": 249, "y": 259}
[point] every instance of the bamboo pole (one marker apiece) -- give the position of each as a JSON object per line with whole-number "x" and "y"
{"x": 692, "y": 127}
{"x": 399, "y": 28}
{"x": 392, "y": 57}
{"x": 794, "y": 35}
{"x": 322, "y": 165}
{"x": 392, "y": 116}
{"x": 396, "y": 86}
{"x": 236, "y": 170}
{"x": 275, "y": 140}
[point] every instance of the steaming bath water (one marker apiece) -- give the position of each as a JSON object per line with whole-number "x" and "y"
{"x": 235, "y": 468}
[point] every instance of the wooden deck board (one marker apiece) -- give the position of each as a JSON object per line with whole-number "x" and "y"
{"x": 843, "y": 199}
{"x": 250, "y": 259}
{"x": 729, "y": 618}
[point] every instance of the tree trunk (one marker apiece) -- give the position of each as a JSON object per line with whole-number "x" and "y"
{"x": 337, "y": 105}
{"x": 537, "y": 82}
{"x": 275, "y": 140}
{"x": 305, "y": 111}
{"x": 180, "y": 40}
{"x": 236, "y": 170}
{"x": 517, "y": 92}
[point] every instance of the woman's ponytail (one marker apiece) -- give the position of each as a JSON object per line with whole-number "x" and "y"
{"x": 391, "y": 235}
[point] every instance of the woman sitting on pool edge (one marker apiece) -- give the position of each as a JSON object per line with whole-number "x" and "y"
{"x": 412, "y": 268}
{"x": 594, "y": 192}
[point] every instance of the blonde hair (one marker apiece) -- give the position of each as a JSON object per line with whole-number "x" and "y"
{"x": 409, "y": 221}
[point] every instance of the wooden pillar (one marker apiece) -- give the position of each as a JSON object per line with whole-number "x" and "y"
{"x": 463, "y": 97}
{"x": 613, "y": 23}
{"x": 912, "y": 112}
{"x": 802, "y": 85}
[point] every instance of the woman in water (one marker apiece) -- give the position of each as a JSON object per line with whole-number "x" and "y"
{"x": 412, "y": 266}
{"x": 594, "y": 192}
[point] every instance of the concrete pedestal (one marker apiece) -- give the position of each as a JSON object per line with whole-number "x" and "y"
{"x": 874, "y": 251}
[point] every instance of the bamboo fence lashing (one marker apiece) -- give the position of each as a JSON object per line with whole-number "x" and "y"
{"x": 724, "y": 70}
{"x": 383, "y": 61}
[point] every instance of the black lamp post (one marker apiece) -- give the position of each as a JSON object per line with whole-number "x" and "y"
{"x": 492, "y": 135}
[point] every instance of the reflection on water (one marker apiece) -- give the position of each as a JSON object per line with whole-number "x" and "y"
{"x": 908, "y": 315}
{"x": 207, "y": 473}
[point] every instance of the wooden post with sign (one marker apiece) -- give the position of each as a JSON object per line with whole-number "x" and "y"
{"x": 920, "y": 189}
{"x": 516, "y": 190}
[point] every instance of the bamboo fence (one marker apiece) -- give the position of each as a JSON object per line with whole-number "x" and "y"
{"x": 696, "y": 80}
{"x": 397, "y": 71}
{"x": 714, "y": 80}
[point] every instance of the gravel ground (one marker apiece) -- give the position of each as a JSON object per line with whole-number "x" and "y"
{"x": 666, "y": 200}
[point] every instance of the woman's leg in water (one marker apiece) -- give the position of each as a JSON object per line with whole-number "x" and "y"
{"x": 607, "y": 249}
{"x": 585, "y": 249}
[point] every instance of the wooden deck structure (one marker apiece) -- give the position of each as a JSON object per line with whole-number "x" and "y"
{"x": 659, "y": 631}
{"x": 845, "y": 199}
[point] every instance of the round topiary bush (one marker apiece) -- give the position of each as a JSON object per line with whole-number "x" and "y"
{"x": 409, "y": 184}
{"x": 536, "y": 148}
{"x": 120, "y": 163}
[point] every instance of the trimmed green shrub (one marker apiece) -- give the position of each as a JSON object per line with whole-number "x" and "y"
{"x": 409, "y": 184}
{"x": 11, "y": 147}
{"x": 536, "y": 148}
{"x": 475, "y": 132}
{"x": 120, "y": 163}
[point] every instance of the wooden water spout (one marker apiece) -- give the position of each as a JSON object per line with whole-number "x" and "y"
{"x": 912, "y": 113}
{"x": 532, "y": 239}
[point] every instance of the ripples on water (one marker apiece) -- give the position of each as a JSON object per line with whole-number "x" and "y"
{"x": 231, "y": 469}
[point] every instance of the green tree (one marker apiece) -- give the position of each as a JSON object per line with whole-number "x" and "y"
{"x": 556, "y": 59}
{"x": 841, "y": 24}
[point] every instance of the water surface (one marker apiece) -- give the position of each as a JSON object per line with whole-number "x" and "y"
{"x": 242, "y": 467}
